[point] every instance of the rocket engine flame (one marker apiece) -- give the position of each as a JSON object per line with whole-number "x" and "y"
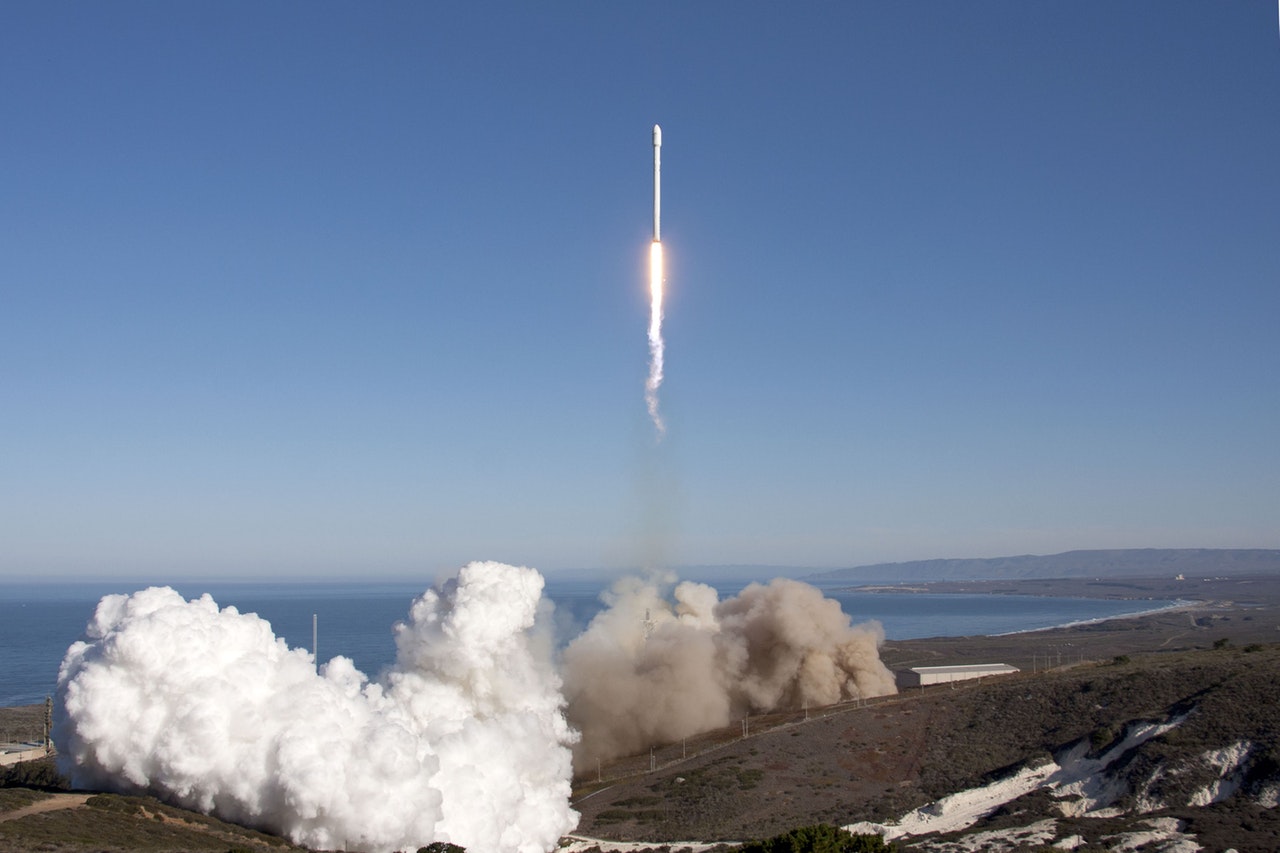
{"x": 654, "y": 382}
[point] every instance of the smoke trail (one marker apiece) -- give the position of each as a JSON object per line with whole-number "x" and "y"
{"x": 647, "y": 671}
{"x": 463, "y": 740}
{"x": 655, "y": 336}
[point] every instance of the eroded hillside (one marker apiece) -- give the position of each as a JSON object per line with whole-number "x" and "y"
{"x": 1208, "y": 759}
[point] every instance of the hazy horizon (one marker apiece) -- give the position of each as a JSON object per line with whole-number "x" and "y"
{"x": 728, "y": 573}
{"x": 331, "y": 289}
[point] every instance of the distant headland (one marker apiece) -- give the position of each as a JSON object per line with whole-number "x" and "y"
{"x": 1112, "y": 563}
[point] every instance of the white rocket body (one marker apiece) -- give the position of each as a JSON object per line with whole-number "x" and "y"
{"x": 657, "y": 184}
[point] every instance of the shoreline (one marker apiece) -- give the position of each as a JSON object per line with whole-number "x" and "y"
{"x": 1124, "y": 588}
{"x": 1212, "y": 611}
{"x": 1241, "y": 610}
{"x": 1180, "y": 604}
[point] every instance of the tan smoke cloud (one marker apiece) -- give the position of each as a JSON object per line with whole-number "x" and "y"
{"x": 649, "y": 671}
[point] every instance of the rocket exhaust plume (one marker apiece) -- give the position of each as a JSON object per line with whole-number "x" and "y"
{"x": 467, "y": 738}
{"x": 647, "y": 672}
{"x": 654, "y": 381}
{"x": 463, "y": 740}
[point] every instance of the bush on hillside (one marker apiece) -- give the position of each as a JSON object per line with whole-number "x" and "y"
{"x": 821, "y": 838}
{"x": 40, "y": 774}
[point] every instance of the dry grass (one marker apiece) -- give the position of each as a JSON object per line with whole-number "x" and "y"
{"x": 878, "y": 762}
{"x": 107, "y": 823}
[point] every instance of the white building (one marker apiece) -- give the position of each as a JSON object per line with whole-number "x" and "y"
{"x": 920, "y": 676}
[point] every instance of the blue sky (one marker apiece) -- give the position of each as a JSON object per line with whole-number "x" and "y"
{"x": 354, "y": 290}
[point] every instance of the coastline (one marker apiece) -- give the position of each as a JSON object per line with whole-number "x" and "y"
{"x": 890, "y": 743}
{"x": 1239, "y": 611}
{"x": 1167, "y": 587}
{"x": 1179, "y": 604}
{"x": 1242, "y": 610}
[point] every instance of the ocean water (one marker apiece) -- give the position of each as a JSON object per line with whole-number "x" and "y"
{"x": 39, "y": 622}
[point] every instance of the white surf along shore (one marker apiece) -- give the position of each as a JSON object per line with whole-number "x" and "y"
{"x": 1179, "y": 604}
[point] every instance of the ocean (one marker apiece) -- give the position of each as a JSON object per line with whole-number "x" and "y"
{"x": 39, "y": 621}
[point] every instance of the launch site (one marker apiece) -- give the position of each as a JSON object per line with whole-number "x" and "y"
{"x": 371, "y": 488}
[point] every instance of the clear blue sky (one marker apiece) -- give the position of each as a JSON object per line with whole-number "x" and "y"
{"x": 360, "y": 289}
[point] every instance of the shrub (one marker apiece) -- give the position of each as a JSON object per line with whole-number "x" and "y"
{"x": 113, "y": 803}
{"x": 820, "y": 838}
{"x": 1101, "y": 736}
{"x": 12, "y": 799}
{"x": 40, "y": 774}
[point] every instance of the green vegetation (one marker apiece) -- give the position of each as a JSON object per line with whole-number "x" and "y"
{"x": 1101, "y": 736}
{"x": 108, "y": 823}
{"x": 821, "y": 838}
{"x": 12, "y": 799}
{"x": 40, "y": 774}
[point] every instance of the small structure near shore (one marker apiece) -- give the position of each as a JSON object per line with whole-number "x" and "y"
{"x": 922, "y": 676}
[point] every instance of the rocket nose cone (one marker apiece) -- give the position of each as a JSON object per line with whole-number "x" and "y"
{"x": 657, "y": 135}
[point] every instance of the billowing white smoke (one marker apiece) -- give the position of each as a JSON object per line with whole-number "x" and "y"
{"x": 648, "y": 672}
{"x": 463, "y": 740}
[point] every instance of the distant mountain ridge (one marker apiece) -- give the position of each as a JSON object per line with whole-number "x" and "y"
{"x": 1119, "y": 562}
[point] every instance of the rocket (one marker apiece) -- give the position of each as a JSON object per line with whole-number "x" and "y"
{"x": 657, "y": 183}
{"x": 654, "y": 381}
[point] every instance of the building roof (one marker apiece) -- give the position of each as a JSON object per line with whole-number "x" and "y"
{"x": 967, "y": 667}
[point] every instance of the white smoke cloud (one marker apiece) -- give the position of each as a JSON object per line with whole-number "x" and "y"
{"x": 648, "y": 671}
{"x": 463, "y": 740}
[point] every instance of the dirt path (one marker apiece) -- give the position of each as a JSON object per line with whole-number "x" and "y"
{"x": 51, "y": 804}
